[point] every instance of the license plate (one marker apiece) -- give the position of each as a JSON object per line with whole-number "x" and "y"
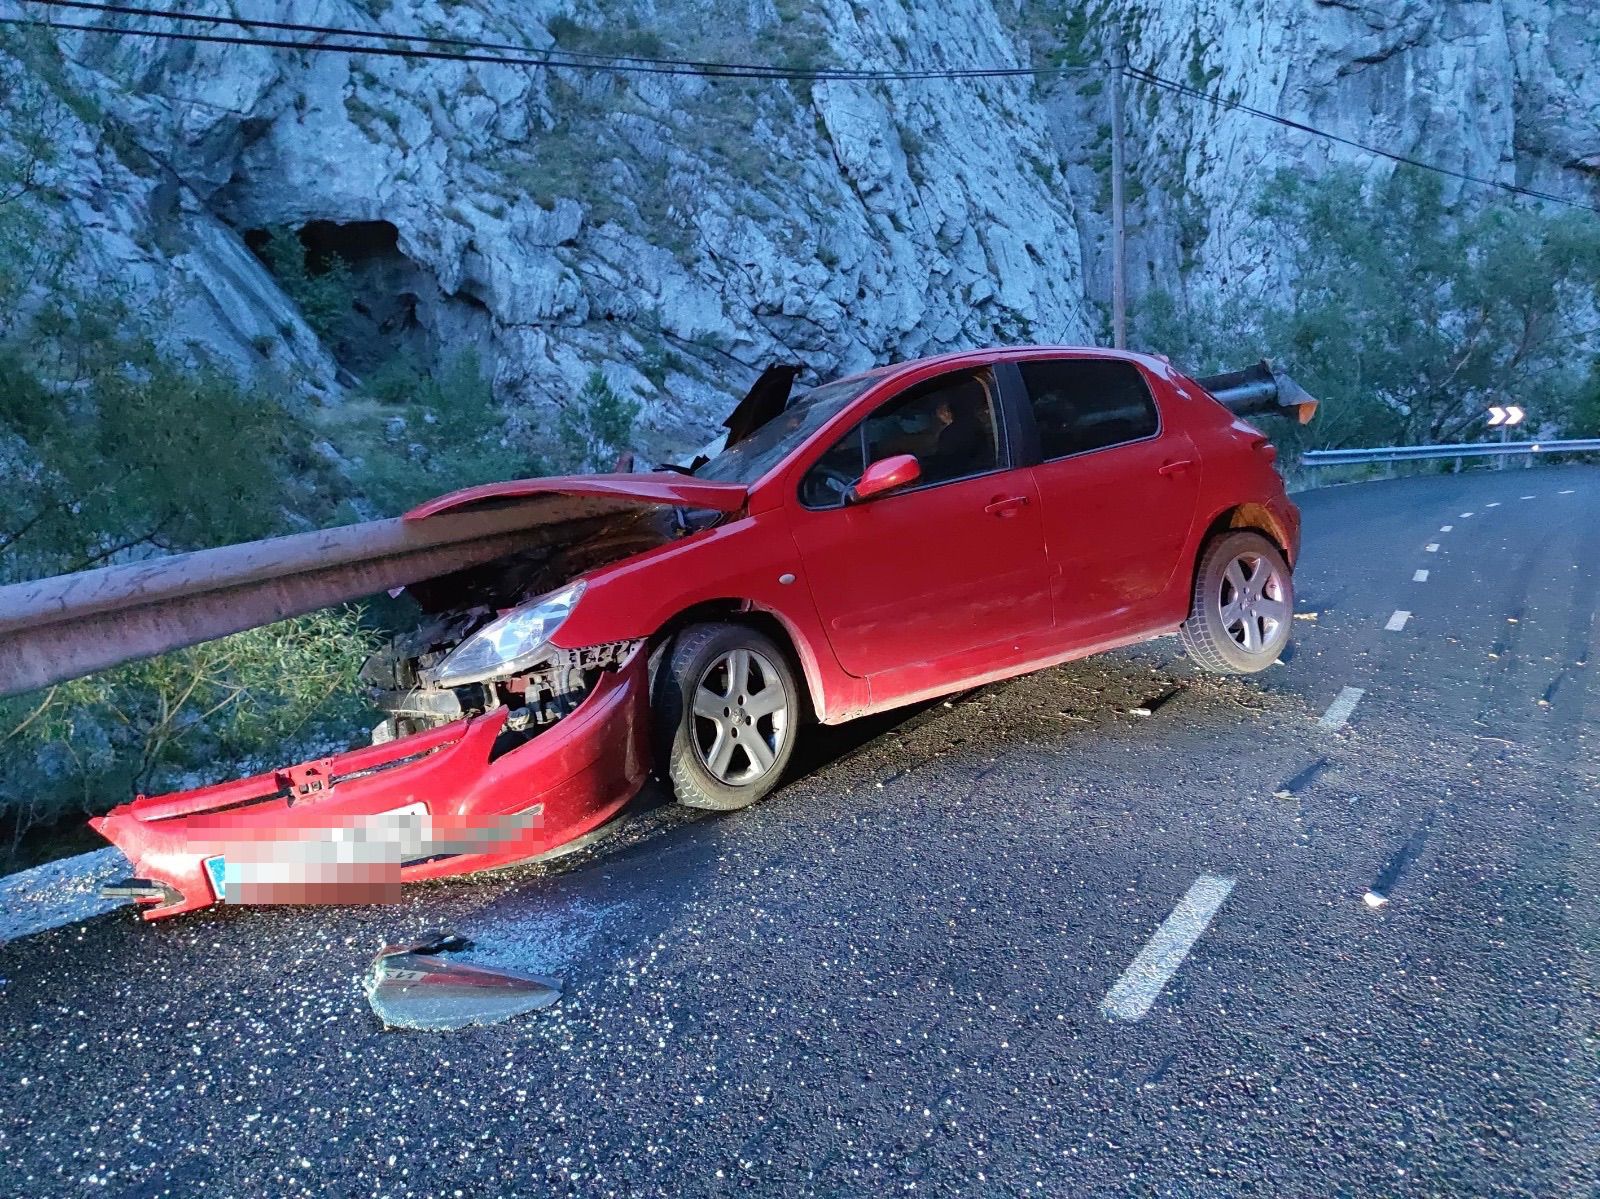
{"x": 214, "y": 871}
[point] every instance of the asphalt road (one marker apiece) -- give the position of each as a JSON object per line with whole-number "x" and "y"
{"x": 901, "y": 972}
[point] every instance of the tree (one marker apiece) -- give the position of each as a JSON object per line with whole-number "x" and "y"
{"x": 597, "y": 425}
{"x": 113, "y": 448}
{"x": 1407, "y": 317}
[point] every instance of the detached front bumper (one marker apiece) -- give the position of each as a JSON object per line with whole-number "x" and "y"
{"x": 466, "y": 777}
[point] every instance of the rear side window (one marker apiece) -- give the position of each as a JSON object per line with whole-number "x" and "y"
{"x": 1083, "y": 404}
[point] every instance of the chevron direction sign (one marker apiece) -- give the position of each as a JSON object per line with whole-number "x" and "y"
{"x": 1504, "y": 417}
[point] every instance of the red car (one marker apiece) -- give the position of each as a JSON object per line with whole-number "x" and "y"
{"x": 886, "y": 538}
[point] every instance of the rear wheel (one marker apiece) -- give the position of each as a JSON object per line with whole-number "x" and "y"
{"x": 1239, "y": 619}
{"x": 726, "y": 710}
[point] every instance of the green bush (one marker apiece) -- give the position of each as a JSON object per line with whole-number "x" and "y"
{"x": 140, "y": 455}
{"x": 185, "y": 718}
{"x": 452, "y": 434}
{"x": 324, "y": 297}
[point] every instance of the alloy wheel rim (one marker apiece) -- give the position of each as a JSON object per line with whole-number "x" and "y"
{"x": 1253, "y": 598}
{"x": 741, "y": 717}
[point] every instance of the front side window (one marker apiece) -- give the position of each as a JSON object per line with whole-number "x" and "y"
{"x": 746, "y": 461}
{"x": 1083, "y": 404}
{"x": 950, "y": 424}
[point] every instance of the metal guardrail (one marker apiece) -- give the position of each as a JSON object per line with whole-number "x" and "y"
{"x": 1417, "y": 453}
{"x": 58, "y": 628}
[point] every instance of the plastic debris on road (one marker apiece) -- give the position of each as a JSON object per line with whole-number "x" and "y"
{"x": 410, "y": 986}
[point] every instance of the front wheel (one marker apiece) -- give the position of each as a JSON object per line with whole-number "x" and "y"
{"x": 726, "y": 710}
{"x": 1243, "y": 603}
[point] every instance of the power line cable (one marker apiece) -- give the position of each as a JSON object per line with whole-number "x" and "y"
{"x": 1169, "y": 85}
{"x": 418, "y": 38}
{"x": 576, "y": 60}
{"x": 493, "y": 51}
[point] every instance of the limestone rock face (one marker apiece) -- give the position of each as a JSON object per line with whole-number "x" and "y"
{"x": 680, "y": 232}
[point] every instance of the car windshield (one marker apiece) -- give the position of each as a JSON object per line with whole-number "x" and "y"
{"x": 778, "y": 438}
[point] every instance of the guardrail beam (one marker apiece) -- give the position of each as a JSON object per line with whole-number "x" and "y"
{"x": 1420, "y": 453}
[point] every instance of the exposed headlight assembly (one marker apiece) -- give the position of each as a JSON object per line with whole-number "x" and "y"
{"x": 511, "y": 643}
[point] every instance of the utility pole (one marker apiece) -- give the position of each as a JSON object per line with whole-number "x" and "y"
{"x": 1119, "y": 253}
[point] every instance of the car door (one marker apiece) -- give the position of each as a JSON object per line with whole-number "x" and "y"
{"x": 943, "y": 566}
{"x": 1117, "y": 486}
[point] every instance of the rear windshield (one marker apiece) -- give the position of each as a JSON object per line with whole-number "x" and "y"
{"x": 778, "y": 438}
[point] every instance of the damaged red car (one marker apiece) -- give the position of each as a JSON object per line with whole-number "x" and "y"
{"x": 905, "y": 533}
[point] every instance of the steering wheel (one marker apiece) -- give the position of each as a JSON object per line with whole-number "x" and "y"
{"x": 825, "y": 487}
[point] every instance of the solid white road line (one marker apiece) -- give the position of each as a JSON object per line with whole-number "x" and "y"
{"x": 1432, "y": 547}
{"x": 1420, "y": 577}
{"x": 1339, "y": 710}
{"x": 1445, "y": 528}
{"x": 1397, "y": 621}
{"x": 1132, "y": 994}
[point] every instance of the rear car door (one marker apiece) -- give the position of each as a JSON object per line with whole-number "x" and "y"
{"x": 949, "y": 564}
{"x": 1118, "y": 485}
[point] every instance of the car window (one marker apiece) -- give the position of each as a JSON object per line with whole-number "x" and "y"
{"x": 951, "y": 424}
{"x": 1083, "y": 404}
{"x": 747, "y": 460}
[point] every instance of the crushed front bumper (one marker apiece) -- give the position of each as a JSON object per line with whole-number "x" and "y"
{"x": 532, "y": 795}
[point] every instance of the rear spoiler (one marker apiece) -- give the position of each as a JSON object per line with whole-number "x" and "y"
{"x": 1258, "y": 389}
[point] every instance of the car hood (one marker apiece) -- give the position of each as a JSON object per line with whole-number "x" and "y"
{"x": 649, "y": 490}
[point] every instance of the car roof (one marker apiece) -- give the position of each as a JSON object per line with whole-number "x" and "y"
{"x": 986, "y": 356}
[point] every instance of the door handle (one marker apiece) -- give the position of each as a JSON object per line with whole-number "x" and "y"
{"x": 1172, "y": 468}
{"x": 1006, "y": 505}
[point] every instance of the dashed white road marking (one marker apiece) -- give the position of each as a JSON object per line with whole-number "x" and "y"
{"x": 1496, "y": 504}
{"x": 1432, "y": 547}
{"x": 1397, "y": 621}
{"x": 1420, "y": 577}
{"x": 1445, "y": 528}
{"x": 1530, "y": 497}
{"x": 1339, "y": 710}
{"x": 1464, "y": 516}
{"x": 1568, "y": 491}
{"x": 1132, "y": 994}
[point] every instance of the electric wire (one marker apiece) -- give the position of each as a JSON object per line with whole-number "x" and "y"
{"x": 1290, "y": 123}
{"x": 496, "y": 52}
{"x": 493, "y": 53}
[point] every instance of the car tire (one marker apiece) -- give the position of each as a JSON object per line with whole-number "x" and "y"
{"x": 731, "y": 747}
{"x": 1243, "y": 606}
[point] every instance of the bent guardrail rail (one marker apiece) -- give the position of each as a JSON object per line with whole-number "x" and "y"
{"x": 1419, "y": 453}
{"x": 1261, "y": 388}
{"x": 71, "y": 625}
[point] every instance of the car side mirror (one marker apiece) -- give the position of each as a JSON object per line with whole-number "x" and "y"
{"x": 884, "y": 475}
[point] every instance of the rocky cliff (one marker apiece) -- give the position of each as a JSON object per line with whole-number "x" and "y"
{"x": 680, "y": 232}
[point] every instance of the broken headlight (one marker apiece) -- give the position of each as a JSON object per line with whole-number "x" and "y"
{"x": 514, "y": 642}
